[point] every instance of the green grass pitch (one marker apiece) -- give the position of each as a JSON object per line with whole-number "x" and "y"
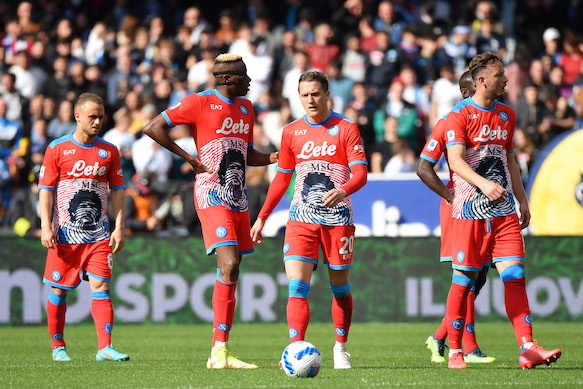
{"x": 383, "y": 355}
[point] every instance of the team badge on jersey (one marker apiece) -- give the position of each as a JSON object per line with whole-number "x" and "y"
{"x": 461, "y": 256}
{"x": 56, "y": 276}
{"x": 503, "y": 116}
{"x": 431, "y": 145}
{"x": 333, "y": 130}
{"x": 244, "y": 109}
{"x": 221, "y": 232}
{"x": 102, "y": 153}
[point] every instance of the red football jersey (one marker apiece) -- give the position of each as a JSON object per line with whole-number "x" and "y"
{"x": 223, "y": 131}
{"x": 487, "y": 134}
{"x": 321, "y": 155}
{"x": 80, "y": 175}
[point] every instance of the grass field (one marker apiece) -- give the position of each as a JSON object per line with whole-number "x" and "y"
{"x": 382, "y": 355}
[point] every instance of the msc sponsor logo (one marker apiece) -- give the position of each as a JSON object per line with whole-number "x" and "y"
{"x": 108, "y": 328}
{"x": 221, "y": 232}
{"x": 56, "y": 276}
{"x": 102, "y": 153}
{"x": 457, "y": 324}
{"x": 285, "y": 247}
{"x": 244, "y": 109}
{"x": 503, "y": 116}
{"x": 340, "y": 331}
{"x": 293, "y": 332}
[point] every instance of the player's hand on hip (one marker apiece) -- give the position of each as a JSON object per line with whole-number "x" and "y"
{"x": 256, "y": 235}
{"x": 333, "y": 197}
{"x": 198, "y": 166}
{"x": 274, "y": 157}
{"x": 117, "y": 240}
{"x": 47, "y": 237}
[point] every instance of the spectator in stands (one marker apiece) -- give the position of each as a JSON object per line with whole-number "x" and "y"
{"x": 58, "y": 84}
{"x": 259, "y": 69}
{"x": 25, "y": 83}
{"x": 16, "y": 104}
{"x": 459, "y": 49}
{"x": 64, "y": 123}
{"x": 23, "y": 213}
{"x": 489, "y": 40}
{"x": 195, "y": 23}
{"x": 322, "y": 51}
{"x": 529, "y": 114}
{"x": 368, "y": 41}
{"x": 445, "y": 95}
{"x": 428, "y": 60}
{"x": 121, "y": 80}
{"x": 339, "y": 86}
{"x": 290, "y": 84}
{"x": 403, "y": 159}
{"x": 353, "y": 60}
{"x": 382, "y": 65}
{"x": 383, "y": 147}
{"x": 140, "y": 205}
{"x": 558, "y": 116}
{"x": 551, "y": 38}
{"x": 119, "y": 135}
{"x": 346, "y": 19}
{"x": 386, "y": 21}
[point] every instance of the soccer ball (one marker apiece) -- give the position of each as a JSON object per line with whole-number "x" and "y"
{"x": 301, "y": 359}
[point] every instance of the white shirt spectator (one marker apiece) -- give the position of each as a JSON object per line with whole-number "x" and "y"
{"x": 147, "y": 155}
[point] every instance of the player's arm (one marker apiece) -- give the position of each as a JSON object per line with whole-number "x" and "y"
{"x": 157, "y": 129}
{"x": 45, "y": 202}
{"x": 276, "y": 191}
{"x": 117, "y": 239}
{"x": 357, "y": 181}
{"x": 457, "y": 163}
{"x": 518, "y": 190}
{"x": 426, "y": 171}
{"x": 256, "y": 158}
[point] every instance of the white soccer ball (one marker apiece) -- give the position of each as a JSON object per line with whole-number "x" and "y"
{"x": 301, "y": 359}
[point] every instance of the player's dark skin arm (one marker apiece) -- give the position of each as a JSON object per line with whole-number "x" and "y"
{"x": 256, "y": 158}
{"x": 427, "y": 174}
{"x": 157, "y": 129}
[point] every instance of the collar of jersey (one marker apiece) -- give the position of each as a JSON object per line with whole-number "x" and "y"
{"x": 319, "y": 124}
{"x": 82, "y": 145}
{"x": 225, "y": 99}
{"x": 483, "y": 108}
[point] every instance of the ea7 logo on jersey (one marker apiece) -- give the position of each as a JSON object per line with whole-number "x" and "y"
{"x": 300, "y": 132}
{"x": 81, "y": 169}
{"x": 67, "y": 152}
{"x": 309, "y": 149}
{"x": 431, "y": 145}
{"x": 473, "y": 116}
{"x": 217, "y": 106}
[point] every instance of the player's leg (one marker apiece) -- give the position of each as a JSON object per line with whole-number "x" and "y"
{"x": 98, "y": 264}
{"x": 62, "y": 274}
{"x": 461, "y": 284}
{"x": 298, "y": 274}
{"x": 341, "y": 315}
{"x": 56, "y": 309}
{"x": 436, "y": 342}
{"x": 508, "y": 254}
{"x": 472, "y": 352}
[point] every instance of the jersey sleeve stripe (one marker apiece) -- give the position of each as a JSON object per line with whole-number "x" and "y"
{"x": 168, "y": 121}
{"x": 117, "y": 187}
{"x": 357, "y": 162}
{"x": 46, "y": 187}
{"x": 288, "y": 171}
{"x": 454, "y": 143}
{"x": 427, "y": 158}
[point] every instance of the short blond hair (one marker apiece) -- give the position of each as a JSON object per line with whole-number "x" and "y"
{"x": 85, "y": 97}
{"x": 228, "y": 58}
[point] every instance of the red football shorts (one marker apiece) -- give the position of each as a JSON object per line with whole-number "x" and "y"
{"x": 302, "y": 241}
{"x": 475, "y": 242}
{"x": 223, "y": 227}
{"x": 66, "y": 261}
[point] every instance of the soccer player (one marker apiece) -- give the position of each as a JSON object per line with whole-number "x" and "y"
{"x": 221, "y": 123}
{"x": 486, "y": 180}
{"x": 77, "y": 171}
{"x": 432, "y": 152}
{"x": 323, "y": 148}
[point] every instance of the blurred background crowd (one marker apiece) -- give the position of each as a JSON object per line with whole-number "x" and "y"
{"x": 393, "y": 68}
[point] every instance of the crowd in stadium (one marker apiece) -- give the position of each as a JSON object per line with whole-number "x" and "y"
{"x": 393, "y": 68}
